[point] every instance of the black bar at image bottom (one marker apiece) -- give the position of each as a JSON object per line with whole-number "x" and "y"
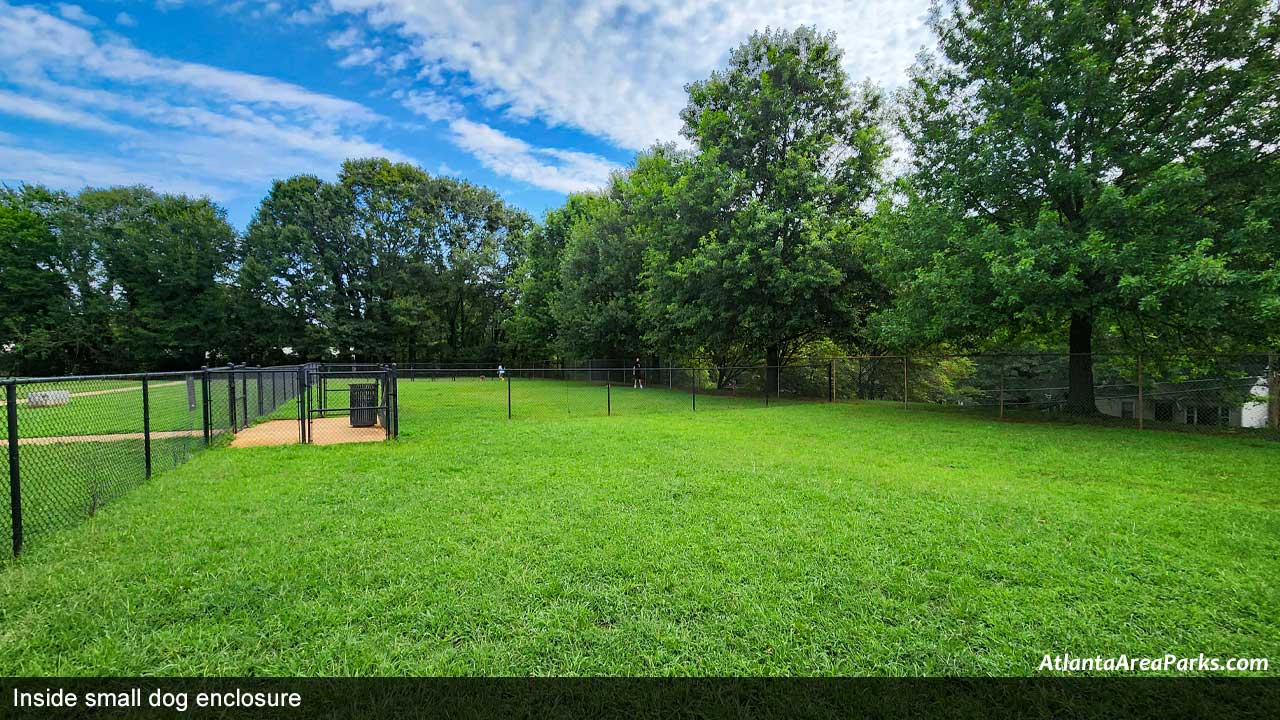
{"x": 638, "y": 697}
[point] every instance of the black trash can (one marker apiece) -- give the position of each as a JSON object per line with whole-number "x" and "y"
{"x": 364, "y": 399}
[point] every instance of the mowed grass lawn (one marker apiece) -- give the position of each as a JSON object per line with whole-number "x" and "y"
{"x": 797, "y": 539}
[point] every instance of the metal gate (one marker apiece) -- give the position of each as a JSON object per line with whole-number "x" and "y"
{"x": 346, "y": 403}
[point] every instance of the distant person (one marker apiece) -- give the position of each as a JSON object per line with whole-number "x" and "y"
{"x": 637, "y": 375}
{"x": 502, "y": 373}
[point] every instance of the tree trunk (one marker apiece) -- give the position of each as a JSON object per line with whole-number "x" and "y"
{"x": 773, "y": 357}
{"x": 1080, "y": 399}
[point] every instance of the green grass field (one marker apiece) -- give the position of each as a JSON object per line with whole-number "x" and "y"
{"x": 797, "y": 539}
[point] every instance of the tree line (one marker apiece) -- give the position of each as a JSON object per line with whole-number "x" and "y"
{"x": 1066, "y": 175}
{"x": 385, "y": 263}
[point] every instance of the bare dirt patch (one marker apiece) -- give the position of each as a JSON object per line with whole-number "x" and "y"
{"x": 324, "y": 431}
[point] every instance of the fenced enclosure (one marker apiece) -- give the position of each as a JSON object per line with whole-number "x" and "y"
{"x": 1219, "y": 393}
{"x": 1214, "y": 392}
{"x": 351, "y": 404}
{"x": 76, "y": 443}
{"x": 521, "y": 393}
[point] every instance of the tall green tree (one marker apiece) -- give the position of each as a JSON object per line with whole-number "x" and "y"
{"x": 800, "y": 151}
{"x": 1086, "y": 170}
{"x": 532, "y": 333}
{"x": 34, "y": 293}
{"x": 288, "y": 276}
{"x": 161, "y": 261}
{"x": 598, "y": 306}
{"x": 680, "y": 205}
{"x": 386, "y": 263}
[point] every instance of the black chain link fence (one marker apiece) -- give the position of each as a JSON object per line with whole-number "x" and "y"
{"x": 1236, "y": 394}
{"x": 75, "y": 444}
{"x": 1222, "y": 393}
{"x": 442, "y": 394}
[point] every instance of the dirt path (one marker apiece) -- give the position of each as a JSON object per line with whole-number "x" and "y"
{"x": 113, "y": 437}
{"x": 324, "y": 431}
{"x": 23, "y": 401}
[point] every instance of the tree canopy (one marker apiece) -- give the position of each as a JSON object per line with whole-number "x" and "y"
{"x": 1075, "y": 175}
{"x": 1089, "y": 171}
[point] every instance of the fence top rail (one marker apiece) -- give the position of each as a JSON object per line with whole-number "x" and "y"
{"x": 459, "y": 368}
{"x": 112, "y": 376}
{"x": 1041, "y": 354}
{"x": 253, "y": 368}
{"x": 625, "y": 367}
{"x": 352, "y": 373}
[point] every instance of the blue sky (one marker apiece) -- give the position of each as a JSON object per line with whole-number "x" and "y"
{"x": 534, "y": 99}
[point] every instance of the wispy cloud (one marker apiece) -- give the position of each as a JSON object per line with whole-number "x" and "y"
{"x": 77, "y": 170}
{"x": 76, "y": 14}
{"x": 166, "y": 122}
{"x": 617, "y": 68}
{"x": 563, "y": 171}
{"x": 429, "y": 104}
{"x": 360, "y": 56}
{"x": 31, "y": 108}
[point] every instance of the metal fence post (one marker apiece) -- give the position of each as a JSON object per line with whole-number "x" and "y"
{"x": 608, "y": 399}
{"x": 693, "y": 388}
{"x": 831, "y": 381}
{"x": 204, "y": 401}
{"x": 244, "y": 395}
{"x": 1273, "y": 390}
{"x": 146, "y": 423}
{"x": 508, "y": 381}
{"x": 1002, "y": 388}
{"x": 231, "y": 396}
{"x": 302, "y": 425}
{"x": 260, "y": 413}
{"x": 395, "y": 397}
{"x": 905, "y": 385}
{"x": 15, "y": 474}
{"x": 1137, "y": 410}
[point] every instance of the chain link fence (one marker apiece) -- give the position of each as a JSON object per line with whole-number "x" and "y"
{"x": 1223, "y": 393}
{"x": 74, "y": 444}
{"x": 77, "y": 443}
{"x": 1220, "y": 393}
{"x": 520, "y": 393}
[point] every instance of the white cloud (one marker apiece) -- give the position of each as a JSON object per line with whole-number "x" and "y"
{"x": 172, "y": 124}
{"x": 76, "y": 14}
{"x": 124, "y": 19}
{"x": 548, "y": 168}
{"x": 75, "y": 171}
{"x": 428, "y": 104}
{"x": 22, "y": 106}
{"x": 39, "y": 44}
{"x": 348, "y": 38}
{"x": 551, "y": 169}
{"x": 360, "y": 56}
{"x": 617, "y": 68}
{"x": 307, "y": 16}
